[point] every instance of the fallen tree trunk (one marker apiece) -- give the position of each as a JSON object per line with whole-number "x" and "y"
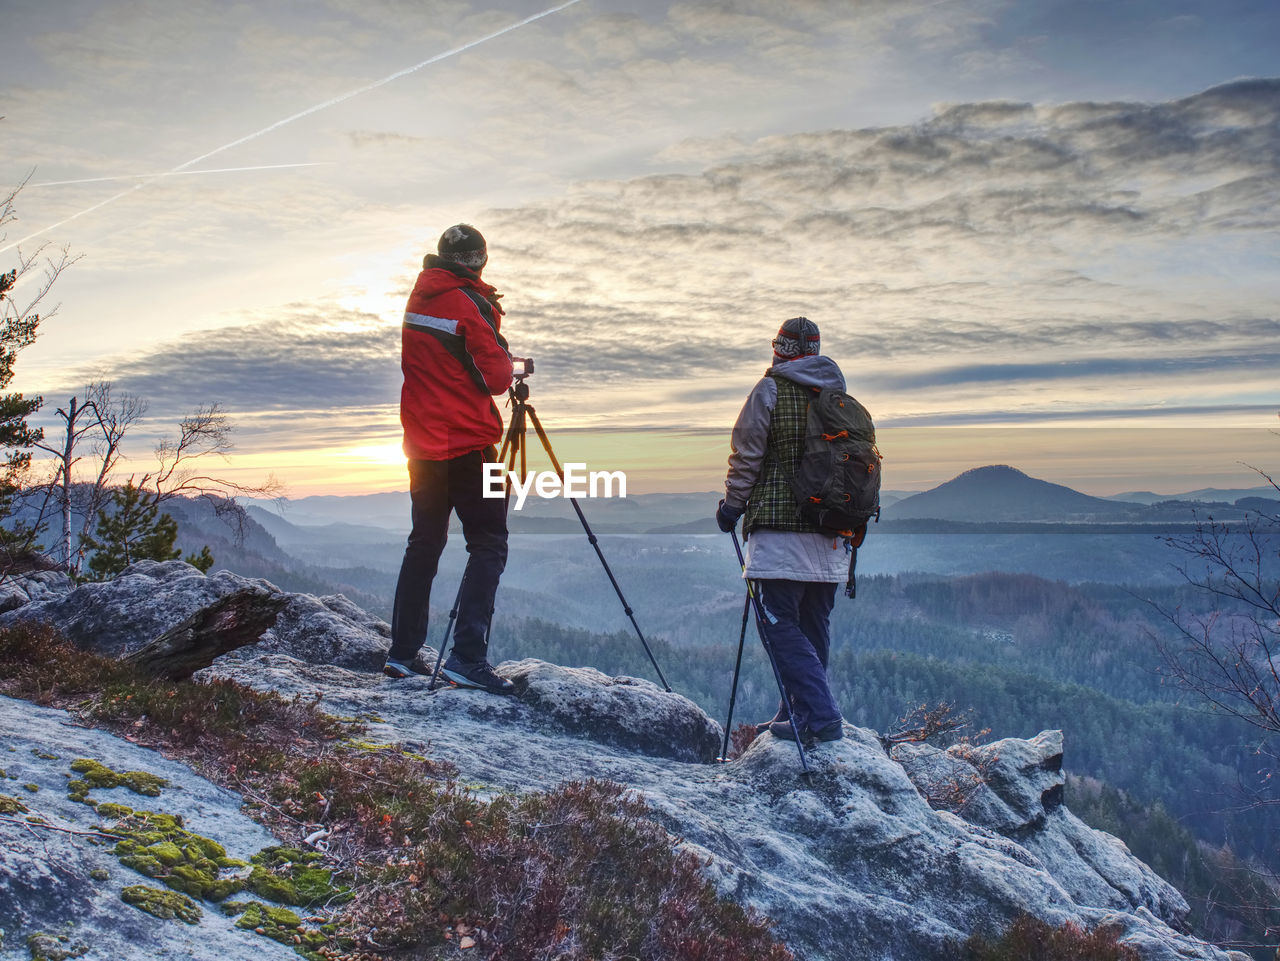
{"x": 233, "y": 621}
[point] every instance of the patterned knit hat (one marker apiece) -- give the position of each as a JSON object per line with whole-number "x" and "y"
{"x": 797, "y": 337}
{"x": 463, "y": 244}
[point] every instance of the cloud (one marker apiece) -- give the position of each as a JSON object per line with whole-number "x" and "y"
{"x": 989, "y": 260}
{"x": 1255, "y": 413}
{"x": 1098, "y": 368}
{"x": 307, "y": 361}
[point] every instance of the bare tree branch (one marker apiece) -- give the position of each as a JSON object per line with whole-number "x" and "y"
{"x": 203, "y": 433}
{"x": 1227, "y": 653}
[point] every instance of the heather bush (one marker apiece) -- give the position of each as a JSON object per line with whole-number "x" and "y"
{"x": 1030, "y": 939}
{"x": 582, "y": 871}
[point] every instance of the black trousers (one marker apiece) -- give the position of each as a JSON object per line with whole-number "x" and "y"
{"x": 436, "y": 489}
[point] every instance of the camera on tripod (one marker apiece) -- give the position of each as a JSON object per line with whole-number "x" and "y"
{"x": 522, "y": 367}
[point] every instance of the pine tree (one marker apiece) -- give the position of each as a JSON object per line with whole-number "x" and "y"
{"x": 16, "y": 437}
{"x": 202, "y": 561}
{"x": 130, "y": 529}
{"x": 19, "y": 322}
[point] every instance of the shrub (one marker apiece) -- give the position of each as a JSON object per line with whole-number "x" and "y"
{"x": 1030, "y": 939}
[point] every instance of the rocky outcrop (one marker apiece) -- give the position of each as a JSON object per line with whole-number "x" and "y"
{"x": 150, "y": 598}
{"x": 1014, "y": 788}
{"x": 851, "y": 862}
{"x": 627, "y": 712}
{"x": 17, "y": 590}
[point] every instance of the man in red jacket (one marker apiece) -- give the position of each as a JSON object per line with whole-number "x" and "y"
{"x": 455, "y": 360}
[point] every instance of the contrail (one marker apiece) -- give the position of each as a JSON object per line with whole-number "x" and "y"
{"x": 300, "y": 114}
{"x": 174, "y": 173}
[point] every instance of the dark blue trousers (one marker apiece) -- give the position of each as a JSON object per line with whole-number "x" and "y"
{"x": 798, "y": 625}
{"x": 436, "y": 489}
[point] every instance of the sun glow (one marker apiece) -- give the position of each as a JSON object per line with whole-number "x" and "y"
{"x": 381, "y": 455}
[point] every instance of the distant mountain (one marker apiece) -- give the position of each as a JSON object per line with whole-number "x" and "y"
{"x": 637, "y": 513}
{"x": 888, "y": 497}
{"x": 1138, "y": 497}
{"x": 1212, "y": 494}
{"x": 341, "y": 531}
{"x": 1003, "y": 494}
{"x": 389, "y": 510}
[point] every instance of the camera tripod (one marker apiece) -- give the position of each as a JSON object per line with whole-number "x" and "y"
{"x": 514, "y": 447}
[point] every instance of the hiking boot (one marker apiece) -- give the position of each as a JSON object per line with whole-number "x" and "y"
{"x": 399, "y": 669}
{"x": 779, "y": 716}
{"x": 781, "y": 729}
{"x": 479, "y": 675}
{"x": 832, "y": 732}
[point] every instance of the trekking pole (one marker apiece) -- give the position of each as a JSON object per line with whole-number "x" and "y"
{"x": 733, "y": 691}
{"x": 444, "y": 641}
{"x": 758, "y": 608}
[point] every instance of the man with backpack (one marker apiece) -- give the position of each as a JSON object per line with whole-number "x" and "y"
{"x": 797, "y": 556}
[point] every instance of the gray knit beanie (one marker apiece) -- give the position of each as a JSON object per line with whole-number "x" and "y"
{"x": 797, "y": 337}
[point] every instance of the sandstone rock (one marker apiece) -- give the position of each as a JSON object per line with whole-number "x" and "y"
{"x": 1015, "y": 789}
{"x": 69, "y": 885}
{"x": 627, "y": 711}
{"x": 851, "y": 864}
{"x": 150, "y": 598}
{"x": 19, "y": 589}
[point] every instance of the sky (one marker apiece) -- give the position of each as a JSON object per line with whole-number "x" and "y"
{"x": 1040, "y": 233}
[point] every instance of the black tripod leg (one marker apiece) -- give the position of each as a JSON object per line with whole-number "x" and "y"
{"x": 594, "y": 542}
{"x": 626, "y": 608}
{"x": 737, "y": 671}
{"x": 444, "y": 641}
{"x": 758, "y": 608}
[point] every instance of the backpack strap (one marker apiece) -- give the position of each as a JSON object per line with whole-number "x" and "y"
{"x": 854, "y": 541}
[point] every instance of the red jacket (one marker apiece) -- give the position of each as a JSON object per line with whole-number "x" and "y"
{"x": 454, "y": 358}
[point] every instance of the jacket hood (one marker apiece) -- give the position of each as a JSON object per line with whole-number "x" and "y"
{"x": 815, "y": 370}
{"x": 440, "y": 275}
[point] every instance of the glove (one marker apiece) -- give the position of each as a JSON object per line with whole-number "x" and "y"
{"x": 727, "y": 517}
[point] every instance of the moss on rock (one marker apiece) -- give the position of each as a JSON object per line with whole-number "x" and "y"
{"x": 50, "y": 947}
{"x": 281, "y": 924}
{"x": 96, "y": 774}
{"x": 11, "y": 805}
{"x": 167, "y": 905}
{"x": 293, "y": 876}
{"x": 157, "y": 845}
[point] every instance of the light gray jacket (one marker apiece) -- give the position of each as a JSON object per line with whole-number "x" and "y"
{"x": 771, "y": 554}
{"x": 750, "y": 435}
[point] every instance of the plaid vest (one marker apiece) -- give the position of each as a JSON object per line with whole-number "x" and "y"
{"x": 771, "y": 503}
